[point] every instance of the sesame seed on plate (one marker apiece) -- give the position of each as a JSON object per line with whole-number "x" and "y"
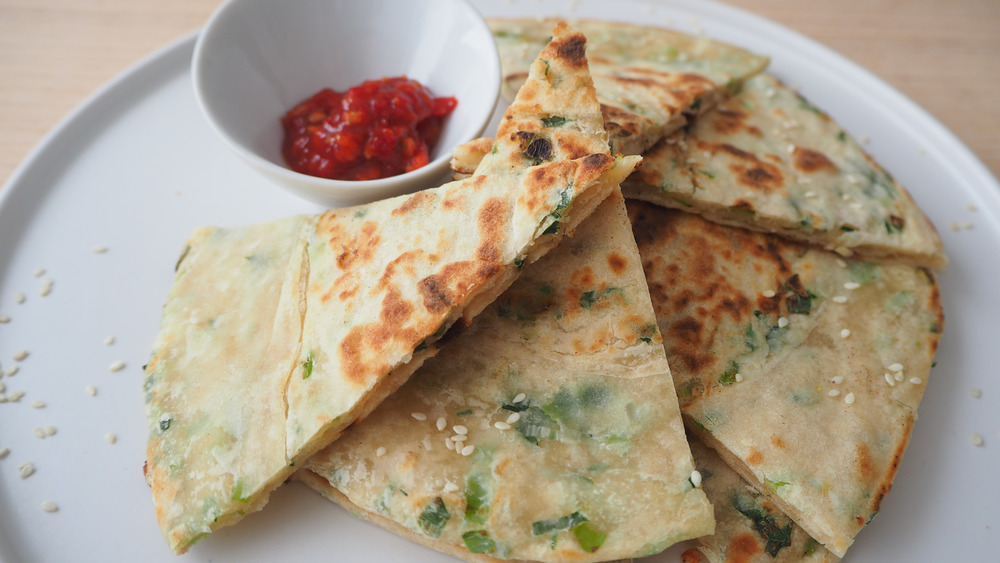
{"x": 976, "y": 393}
{"x": 441, "y": 423}
{"x": 11, "y": 371}
{"x": 971, "y": 207}
{"x": 839, "y": 299}
{"x": 738, "y": 377}
{"x": 977, "y": 440}
{"x": 49, "y": 430}
{"x": 4, "y": 452}
{"x": 459, "y": 438}
{"x": 21, "y": 356}
{"x": 954, "y": 226}
{"x": 117, "y": 365}
{"x": 467, "y": 450}
{"x": 46, "y": 287}
{"x": 916, "y": 380}
{"x": 459, "y": 429}
{"x": 3, "y": 387}
{"x": 967, "y": 225}
{"x": 4, "y": 319}
{"x": 838, "y": 379}
{"x": 849, "y": 398}
{"x": 519, "y": 397}
{"x": 450, "y": 487}
{"x": 896, "y": 367}
{"x": 513, "y": 418}
{"x": 3, "y": 398}
{"x": 890, "y": 380}
{"x": 782, "y": 322}
{"x": 20, "y": 297}
{"x": 899, "y": 376}
{"x": 449, "y": 444}
{"x": 111, "y": 438}
{"x": 696, "y": 478}
{"x": 39, "y": 272}
{"x": 15, "y": 396}
{"x": 39, "y": 433}
{"x": 833, "y": 392}
{"x": 100, "y": 249}
{"x": 36, "y": 404}
{"x": 769, "y": 293}
{"x": 92, "y": 391}
{"x": 845, "y": 333}
{"x": 49, "y": 506}
{"x": 852, "y": 285}
{"x": 109, "y": 340}
{"x": 380, "y": 451}
{"x": 25, "y": 470}
{"x": 501, "y": 425}
{"x": 419, "y": 416}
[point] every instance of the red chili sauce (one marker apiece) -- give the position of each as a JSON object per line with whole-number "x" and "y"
{"x": 378, "y": 129}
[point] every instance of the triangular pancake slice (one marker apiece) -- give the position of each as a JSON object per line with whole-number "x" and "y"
{"x": 649, "y": 80}
{"x": 748, "y": 527}
{"x": 802, "y": 369}
{"x": 767, "y": 160}
{"x": 275, "y": 337}
{"x": 549, "y": 429}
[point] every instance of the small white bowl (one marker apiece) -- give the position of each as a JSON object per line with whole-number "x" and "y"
{"x": 256, "y": 59}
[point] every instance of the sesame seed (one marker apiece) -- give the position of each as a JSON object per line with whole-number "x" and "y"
{"x": 519, "y": 397}
{"x": 890, "y": 380}
{"x": 39, "y": 433}
{"x": 790, "y": 149}
{"x": 21, "y": 356}
{"x": 501, "y": 425}
{"x": 839, "y": 299}
{"x": 46, "y": 290}
{"x": 380, "y": 451}
{"x": 849, "y": 398}
{"x": 99, "y": 249}
{"x": 4, "y": 319}
{"x": 92, "y": 391}
{"x": 916, "y": 380}
{"x": 896, "y": 367}
{"x": 971, "y": 207}
{"x": 109, "y": 340}
{"x": 441, "y": 423}
{"x": 513, "y": 418}
{"x": 119, "y": 365}
{"x": 845, "y": 333}
{"x": 769, "y": 293}
{"x": 976, "y": 393}
{"x": 459, "y": 429}
{"x": 26, "y": 469}
{"x": 738, "y": 377}
{"x": 810, "y": 194}
{"x": 49, "y": 506}
{"x": 833, "y": 392}
{"x": 3, "y": 387}
{"x": 11, "y": 371}
{"x": 39, "y": 272}
{"x": 467, "y": 450}
{"x": 4, "y": 452}
{"x": 843, "y": 251}
{"x": 15, "y": 396}
{"x": 419, "y": 416}
{"x": 977, "y": 440}
{"x": 899, "y": 376}
{"x": 450, "y": 487}
{"x": 852, "y": 285}
{"x": 3, "y": 398}
{"x": 459, "y": 438}
{"x": 20, "y": 297}
{"x": 49, "y": 430}
{"x": 110, "y": 438}
{"x": 841, "y": 263}
{"x": 865, "y": 139}
{"x": 967, "y": 225}
{"x": 426, "y": 442}
{"x": 954, "y": 226}
{"x": 36, "y": 404}
{"x": 449, "y": 444}
{"x": 696, "y": 478}
{"x": 782, "y": 322}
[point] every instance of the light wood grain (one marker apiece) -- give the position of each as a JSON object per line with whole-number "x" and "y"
{"x": 941, "y": 54}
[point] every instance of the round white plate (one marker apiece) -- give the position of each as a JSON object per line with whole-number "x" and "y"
{"x": 136, "y": 169}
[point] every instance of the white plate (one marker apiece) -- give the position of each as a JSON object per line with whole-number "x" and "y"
{"x": 136, "y": 169}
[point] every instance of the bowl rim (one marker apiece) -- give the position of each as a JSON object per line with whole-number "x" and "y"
{"x": 290, "y": 179}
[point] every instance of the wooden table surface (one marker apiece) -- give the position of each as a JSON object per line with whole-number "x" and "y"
{"x": 942, "y": 54}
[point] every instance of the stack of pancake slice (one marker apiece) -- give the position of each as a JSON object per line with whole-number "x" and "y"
{"x": 503, "y": 368}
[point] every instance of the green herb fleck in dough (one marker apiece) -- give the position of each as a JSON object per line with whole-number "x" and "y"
{"x": 774, "y": 528}
{"x": 535, "y": 425}
{"x": 842, "y": 137}
{"x": 588, "y": 298}
{"x": 464, "y": 413}
{"x": 552, "y": 229}
{"x": 477, "y": 499}
{"x": 478, "y": 541}
{"x": 434, "y": 517}
{"x": 728, "y": 377}
{"x": 810, "y": 548}
{"x": 307, "y": 366}
{"x": 238, "y": 494}
{"x": 557, "y": 524}
{"x": 165, "y": 424}
{"x": 554, "y": 121}
{"x": 589, "y": 538}
{"x": 750, "y": 338}
{"x": 519, "y": 262}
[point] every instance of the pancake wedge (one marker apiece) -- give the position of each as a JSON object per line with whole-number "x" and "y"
{"x": 767, "y": 160}
{"x": 802, "y": 369}
{"x": 549, "y": 429}
{"x": 649, "y": 80}
{"x": 276, "y": 337}
{"x": 748, "y": 527}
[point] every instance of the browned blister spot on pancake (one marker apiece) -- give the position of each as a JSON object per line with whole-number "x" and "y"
{"x": 617, "y": 263}
{"x": 755, "y": 457}
{"x": 416, "y": 200}
{"x": 493, "y": 218}
{"x": 360, "y": 248}
{"x": 619, "y": 122}
{"x": 434, "y": 290}
{"x": 689, "y": 344}
{"x": 863, "y": 462}
{"x": 731, "y": 121}
{"x": 742, "y": 548}
{"x": 572, "y": 49}
{"x": 453, "y": 283}
{"x": 758, "y": 175}
{"x": 361, "y": 350}
{"x": 809, "y": 160}
{"x": 777, "y": 442}
{"x": 737, "y": 152}
{"x": 539, "y": 184}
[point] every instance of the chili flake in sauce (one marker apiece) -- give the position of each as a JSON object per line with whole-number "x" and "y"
{"x": 378, "y": 129}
